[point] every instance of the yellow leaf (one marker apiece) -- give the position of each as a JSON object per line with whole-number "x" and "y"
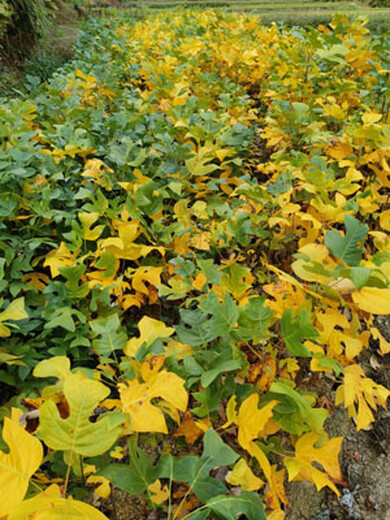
{"x": 275, "y": 493}
{"x": 158, "y": 493}
{"x": 201, "y": 241}
{"x": 251, "y": 420}
{"x": 14, "y": 312}
{"x": 300, "y": 467}
{"x": 103, "y": 488}
{"x": 276, "y": 515}
{"x": 60, "y": 257}
{"x": 150, "y": 330}
{"x": 231, "y": 412}
{"x": 50, "y": 506}
{"x": 363, "y": 391}
{"x": 339, "y": 150}
{"x": 371, "y": 118}
{"x": 243, "y": 476}
{"x": 151, "y": 275}
{"x": 373, "y": 300}
{"x": 16, "y": 467}
{"x": 384, "y": 220}
{"x": 136, "y": 400}
{"x": 117, "y": 452}
{"x": 384, "y": 345}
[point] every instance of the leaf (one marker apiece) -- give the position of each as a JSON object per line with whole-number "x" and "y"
{"x": 363, "y": 391}
{"x": 135, "y": 477}
{"x": 50, "y": 506}
{"x": 58, "y": 366}
{"x": 193, "y": 329}
{"x": 218, "y": 368}
{"x": 216, "y": 452}
{"x": 373, "y": 300}
{"x": 16, "y": 467}
{"x": 110, "y": 338}
{"x": 224, "y": 316}
{"x": 296, "y": 331}
{"x": 77, "y": 433}
{"x": 61, "y": 257}
{"x": 136, "y": 400}
{"x": 295, "y": 413}
{"x": 230, "y": 508}
{"x": 177, "y": 469}
{"x": 348, "y": 248}
{"x": 251, "y": 420}
{"x": 14, "y": 312}
{"x": 158, "y": 493}
{"x": 300, "y": 467}
{"x": 242, "y": 476}
{"x": 150, "y": 330}
{"x": 87, "y": 220}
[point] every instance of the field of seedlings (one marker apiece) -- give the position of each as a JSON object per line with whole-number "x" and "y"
{"x": 194, "y": 267}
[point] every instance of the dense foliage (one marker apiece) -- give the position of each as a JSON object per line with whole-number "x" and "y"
{"x": 193, "y": 229}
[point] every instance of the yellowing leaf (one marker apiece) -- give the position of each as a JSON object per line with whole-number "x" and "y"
{"x": 373, "y": 300}
{"x": 363, "y": 391}
{"x": 242, "y": 476}
{"x": 300, "y": 467}
{"x": 57, "y": 366}
{"x": 16, "y": 467}
{"x": 158, "y": 493}
{"x": 38, "y": 281}
{"x": 87, "y": 220}
{"x": 50, "y": 506}
{"x": 14, "y": 312}
{"x": 77, "y": 433}
{"x": 150, "y": 330}
{"x": 136, "y": 401}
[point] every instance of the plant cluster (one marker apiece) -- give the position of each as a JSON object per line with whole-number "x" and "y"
{"x": 193, "y": 231}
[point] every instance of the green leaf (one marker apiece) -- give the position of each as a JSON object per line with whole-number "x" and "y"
{"x": 216, "y": 452}
{"x": 229, "y": 508}
{"x": 177, "y": 469}
{"x": 254, "y": 321}
{"x": 224, "y": 316}
{"x": 218, "y": 368}
{"x": 110, "y": 338}
{"x": 135, "y": 477}
{"x": 348, "y": 248}
{"x": 207, "y": 487}
{"x": 192, "y": 330}
{"x": 295, "y": 413}
{"x": 296, "y": 331}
